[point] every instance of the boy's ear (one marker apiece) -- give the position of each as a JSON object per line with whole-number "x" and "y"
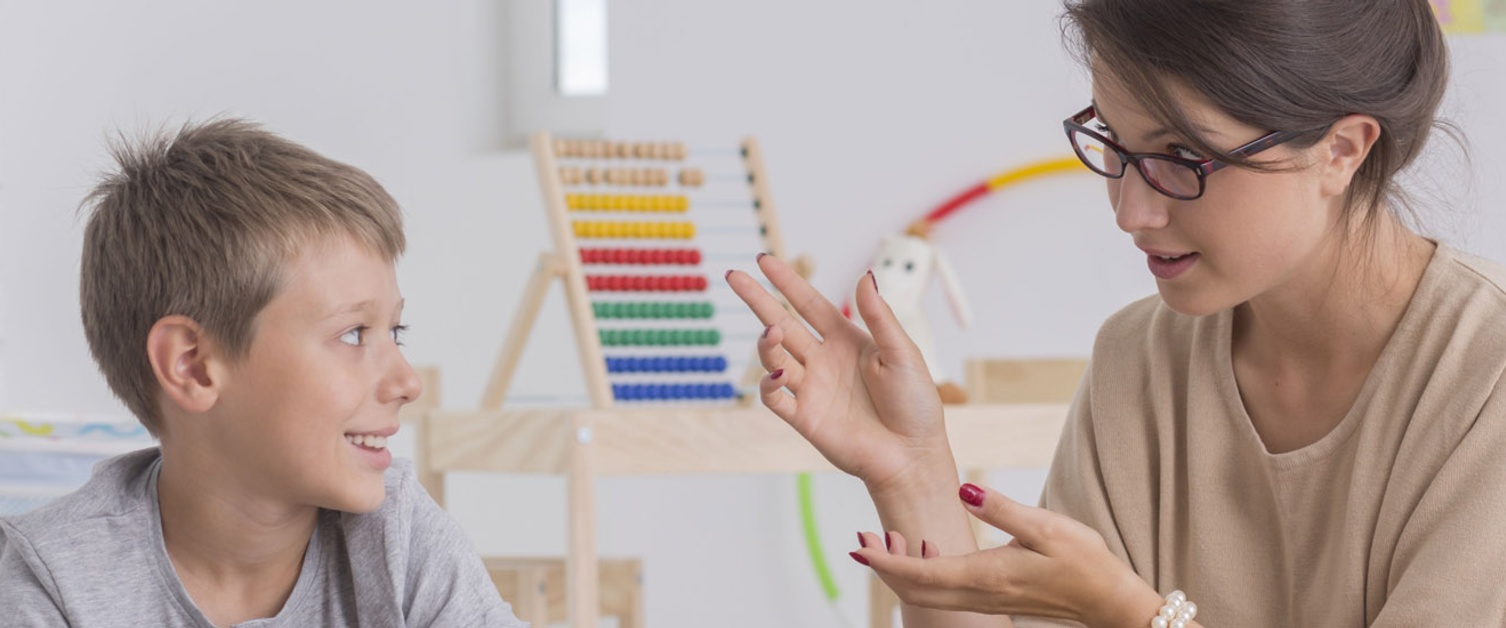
{"x": 1349, "y": 142}
{"x": 180, "y": 354}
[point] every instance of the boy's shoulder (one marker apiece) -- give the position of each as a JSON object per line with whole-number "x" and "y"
{"x": 118, "y": 487}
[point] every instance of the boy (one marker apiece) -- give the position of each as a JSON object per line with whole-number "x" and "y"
{"x": 239, "y": 295}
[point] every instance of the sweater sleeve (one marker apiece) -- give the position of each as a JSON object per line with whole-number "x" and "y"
{"x": 1074, "y": 486}
{"x": 1451, "y": 557}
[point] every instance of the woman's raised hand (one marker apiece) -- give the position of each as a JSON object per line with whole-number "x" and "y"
{"x": 867, "y": 403}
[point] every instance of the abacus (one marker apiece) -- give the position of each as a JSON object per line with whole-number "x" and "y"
{"x": 642, "y": 233}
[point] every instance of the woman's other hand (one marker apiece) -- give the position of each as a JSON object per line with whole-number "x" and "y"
{"x": 1055, "y": 567}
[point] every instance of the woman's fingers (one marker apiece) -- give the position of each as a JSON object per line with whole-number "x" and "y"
{"x": 811, "y": 305}
{"x": 797, "y": 339}
{"x": 887, "y": 332}
{"x": 773, "y": 356}
{"x": 1037, "y": 529}
{"x": 929, "y": 582}
{"x": 771, "y": 393}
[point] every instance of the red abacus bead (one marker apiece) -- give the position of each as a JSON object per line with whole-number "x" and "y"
{"x": 693, "y": 256}
{"x": 700, "y": 283}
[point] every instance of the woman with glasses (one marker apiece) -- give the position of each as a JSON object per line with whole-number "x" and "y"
{"x": 1306, "y": 426}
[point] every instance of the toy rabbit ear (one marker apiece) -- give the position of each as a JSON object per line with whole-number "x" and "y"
{"x": 953, "y": 289}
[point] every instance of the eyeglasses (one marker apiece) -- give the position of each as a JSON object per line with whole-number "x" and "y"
{"x": 1179, "y": 178}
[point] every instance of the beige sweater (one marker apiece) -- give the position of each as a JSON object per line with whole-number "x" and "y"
{"x": 1395, "y": 518}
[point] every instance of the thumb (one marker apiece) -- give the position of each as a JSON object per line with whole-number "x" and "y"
{"x": 1035, "y": 528}
{"x": 888, "y": 334}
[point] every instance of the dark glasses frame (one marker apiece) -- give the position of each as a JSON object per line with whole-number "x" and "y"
{"x": 1202, "y": 168}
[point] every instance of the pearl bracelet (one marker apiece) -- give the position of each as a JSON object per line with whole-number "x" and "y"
{"x": 1176, "y": 613}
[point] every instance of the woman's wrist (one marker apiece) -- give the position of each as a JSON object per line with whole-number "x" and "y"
{"x": 1131, "y": 603}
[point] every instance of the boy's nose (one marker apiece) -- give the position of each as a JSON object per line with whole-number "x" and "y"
{"x": 402, "y": 384}
{"x": 1137, "y": 205}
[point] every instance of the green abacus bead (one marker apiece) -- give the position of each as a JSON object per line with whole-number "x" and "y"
{"x": 707, "y": 310}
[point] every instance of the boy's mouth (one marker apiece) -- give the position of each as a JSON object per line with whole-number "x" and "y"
{"x": 368, "y": 441}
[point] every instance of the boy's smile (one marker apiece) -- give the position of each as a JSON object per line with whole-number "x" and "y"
{"x": 305, "y": 415}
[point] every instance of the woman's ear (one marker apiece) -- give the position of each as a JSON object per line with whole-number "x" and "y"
{"x": 181, "y": 356}
{"x": 1346, "y": 146}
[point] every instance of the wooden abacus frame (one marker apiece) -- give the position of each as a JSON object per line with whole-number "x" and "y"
{"x": 564, "y": 264}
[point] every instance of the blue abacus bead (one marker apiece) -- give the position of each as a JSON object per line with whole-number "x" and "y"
{"x": 618, "y": 392}
{"x": 718, "y": 364}
{"x": 613, "y": 366}
{"x": 640, "y": 365}
{"x": 725, "y": 391}
{"x": 682, "y": 364}
{"x": 703, "y": 391}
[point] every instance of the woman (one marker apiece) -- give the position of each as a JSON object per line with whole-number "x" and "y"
{"x": 1303, "y": 428}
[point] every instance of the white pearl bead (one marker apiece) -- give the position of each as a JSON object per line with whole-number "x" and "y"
{"x": 1178, "y": 623}
{"x": 1189, "y": 610}
{"x": 1159, "y": 622}
{"x": 1176, "y": 598}
{"x": 1169, "y": 612}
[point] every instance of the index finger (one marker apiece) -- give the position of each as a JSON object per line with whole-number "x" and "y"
{"x": 824, "y": 317}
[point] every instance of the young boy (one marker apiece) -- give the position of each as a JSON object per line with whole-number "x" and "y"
{"x": 239, "y": 296}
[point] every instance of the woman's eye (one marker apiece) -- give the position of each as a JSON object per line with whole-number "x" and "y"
{"x": 1104, "y": 130}
{"x": 1185, "y": 153}
{"x": 355, "y": 337}
{"x": 398, "y": 331}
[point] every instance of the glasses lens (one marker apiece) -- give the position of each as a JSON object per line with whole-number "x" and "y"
{"x": 1097, "y": 155}
{"x": 1174, "y": 178}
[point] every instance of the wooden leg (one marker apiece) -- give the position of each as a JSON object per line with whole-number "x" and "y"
{"x": 881, "y": 603}
{"x": 585, "y": 600}
{"x": 544, "y": 273}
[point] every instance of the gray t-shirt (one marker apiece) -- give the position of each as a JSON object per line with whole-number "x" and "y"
{"x": 95, "y": 558}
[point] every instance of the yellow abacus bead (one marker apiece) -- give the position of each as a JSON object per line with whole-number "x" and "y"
{"x": 689, "y": 230}
{"x": 682, "y": 203}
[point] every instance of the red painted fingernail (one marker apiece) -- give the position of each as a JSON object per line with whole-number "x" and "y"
{"x": 874, "y": 279}
{"x": 760, "y": 257}
{"x": 971, "y": 494}
{"x": 766, "y": 331}
{"x": 778, "y": 373}
{"x": 923, "y": 549}
{"x": 858, "y": 557}
{"x": 862, "y": 542}
{"x": 728, "y": 275}
{"x": 888, "y": 542}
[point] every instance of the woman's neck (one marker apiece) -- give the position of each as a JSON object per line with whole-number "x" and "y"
{"x": 1343, "y": 310}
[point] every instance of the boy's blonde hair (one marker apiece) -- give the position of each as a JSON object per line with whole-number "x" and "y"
{"x": 202, "y": 223}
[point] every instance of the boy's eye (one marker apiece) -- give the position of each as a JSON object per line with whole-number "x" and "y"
{"x": 1104, "y": 130}
{"x": 355, "y": 337}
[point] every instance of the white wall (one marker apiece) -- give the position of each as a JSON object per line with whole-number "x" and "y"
{"x": 869, "y": 113}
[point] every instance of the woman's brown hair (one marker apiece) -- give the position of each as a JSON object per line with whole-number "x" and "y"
{"x": 1280, "y": 65}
